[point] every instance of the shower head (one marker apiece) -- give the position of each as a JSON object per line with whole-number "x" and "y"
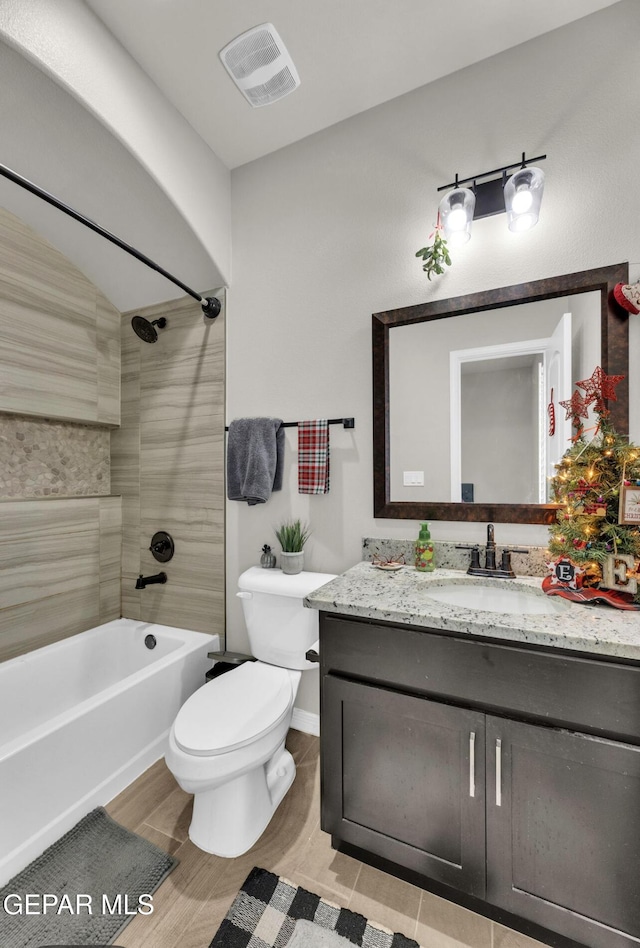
{"x": 147, "y": 330}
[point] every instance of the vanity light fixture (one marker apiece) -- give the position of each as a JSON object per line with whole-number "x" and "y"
{"x": 522, "y": 198}
{"x": 456, "y": 214}
{"x": 520, "y": 195}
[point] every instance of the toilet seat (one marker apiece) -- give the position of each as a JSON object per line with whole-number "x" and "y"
{"x": 243, "y": 704}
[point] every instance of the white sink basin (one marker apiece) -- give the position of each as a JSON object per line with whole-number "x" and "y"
{"x": 498, "y": 599}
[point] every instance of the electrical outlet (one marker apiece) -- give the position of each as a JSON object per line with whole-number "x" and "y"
{"x": 467, "y": 494}
{"x": 413, "y": 478}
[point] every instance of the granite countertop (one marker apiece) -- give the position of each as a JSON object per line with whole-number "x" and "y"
{"x": 403, "y": 597}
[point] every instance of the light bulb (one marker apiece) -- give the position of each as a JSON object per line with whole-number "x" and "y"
{"x": 456, "y": 213}
{"x": 459, "y": 237}
{"x": 522, "y": 200}
{"x": 523, "y": 222}
{"x": 457, "y": 219}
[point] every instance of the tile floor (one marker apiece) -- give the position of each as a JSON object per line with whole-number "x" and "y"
{"x": 193, "y": 900}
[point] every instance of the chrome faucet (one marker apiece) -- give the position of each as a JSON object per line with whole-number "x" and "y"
{"x": 504, "y": 571}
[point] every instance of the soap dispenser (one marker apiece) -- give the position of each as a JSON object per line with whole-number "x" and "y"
{"x": 268, "y": 559}
{"x": 424, "y": 560}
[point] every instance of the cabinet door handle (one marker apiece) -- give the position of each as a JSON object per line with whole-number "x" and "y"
{"x": 472, "y": 764}
{"x": 498, "y": 772}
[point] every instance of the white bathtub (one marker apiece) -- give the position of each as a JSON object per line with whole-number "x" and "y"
{"x": 82, "y": 718}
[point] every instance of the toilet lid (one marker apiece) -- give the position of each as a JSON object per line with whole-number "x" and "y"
{"x": 233, "y": 709}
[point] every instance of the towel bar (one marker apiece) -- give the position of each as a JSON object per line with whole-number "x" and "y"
{"x": 345, "y": 422}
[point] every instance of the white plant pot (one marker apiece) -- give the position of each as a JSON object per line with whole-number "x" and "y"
{"x": 292, "y": 563}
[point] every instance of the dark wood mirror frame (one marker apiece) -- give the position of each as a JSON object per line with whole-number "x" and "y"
{"x": 614, "y": 334}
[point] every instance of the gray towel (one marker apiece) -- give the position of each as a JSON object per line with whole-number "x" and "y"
{"x": 255, "y": 451}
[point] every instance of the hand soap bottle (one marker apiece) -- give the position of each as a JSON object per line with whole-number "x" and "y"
{"x": 424, "y": 560}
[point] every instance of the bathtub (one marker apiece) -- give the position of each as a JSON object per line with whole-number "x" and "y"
{"x": 81, "y": 719}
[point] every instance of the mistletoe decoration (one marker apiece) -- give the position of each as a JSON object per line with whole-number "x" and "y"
{"x": 435, "y": 255}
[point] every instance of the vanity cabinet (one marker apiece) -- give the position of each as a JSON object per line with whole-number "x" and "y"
{"x": 400, "y": 780}
{"x": 507, "y": 773}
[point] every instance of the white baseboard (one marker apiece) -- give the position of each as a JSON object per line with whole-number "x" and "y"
{"x": 306, "y": 721}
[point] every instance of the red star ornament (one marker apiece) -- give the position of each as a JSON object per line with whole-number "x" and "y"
{"x": 577, "y": 408}
{"x": 598, "y": 388}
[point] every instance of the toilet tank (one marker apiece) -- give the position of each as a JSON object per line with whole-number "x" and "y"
{"x": 280, "y": 628}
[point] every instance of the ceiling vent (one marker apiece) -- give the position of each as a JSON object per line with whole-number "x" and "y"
{"x": 260, "y": 66}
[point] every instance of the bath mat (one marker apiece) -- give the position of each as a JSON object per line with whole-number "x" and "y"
{"x": 84, "y": 888}
{"x": 267, "y": 910}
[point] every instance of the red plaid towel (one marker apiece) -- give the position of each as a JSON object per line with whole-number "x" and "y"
{"x": 313, "y": 457}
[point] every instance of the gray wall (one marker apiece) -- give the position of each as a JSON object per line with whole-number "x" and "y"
{"x": 325, "y": 233}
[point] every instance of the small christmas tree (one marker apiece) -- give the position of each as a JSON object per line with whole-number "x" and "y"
{"x": 588, "y": 485}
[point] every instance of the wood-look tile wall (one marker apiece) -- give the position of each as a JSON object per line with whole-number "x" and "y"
{"x": 167, "y": 463}
{"x": 59, "y": 359}
{"x": 60, "y": 352}
{"x": 59, "y": 569}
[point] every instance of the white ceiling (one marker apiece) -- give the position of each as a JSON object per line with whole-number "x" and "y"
{"x": 351, "y": 55}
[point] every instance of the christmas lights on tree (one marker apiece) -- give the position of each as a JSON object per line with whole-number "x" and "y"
{"x": 595, "y": 543}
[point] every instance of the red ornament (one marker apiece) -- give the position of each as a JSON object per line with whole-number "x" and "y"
{"x": 628, "y": 296}
{"x": 595, "y": 510}
{"x": 577, "y": 407}
{"x": 598, "y": 388}
{"x": 551, "y": 408}
{"x": 565, "y": 573}
{"x": 583, "y": 487}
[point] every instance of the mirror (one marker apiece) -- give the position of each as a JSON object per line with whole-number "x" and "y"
{"x": 462, "y": 390}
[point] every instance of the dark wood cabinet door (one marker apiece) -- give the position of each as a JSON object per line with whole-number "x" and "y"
{"x": 563, "y": 831}
{"x": 403, "y": 778}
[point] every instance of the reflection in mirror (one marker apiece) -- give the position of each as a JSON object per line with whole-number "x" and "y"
{"x": 492, "y": 384}
{"x": 500, "y": 415}
{"x": 466, "y": 391}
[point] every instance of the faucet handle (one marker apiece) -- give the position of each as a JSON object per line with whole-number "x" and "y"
{"x": 475, "y": 555}
{"x": 505, "y": 565}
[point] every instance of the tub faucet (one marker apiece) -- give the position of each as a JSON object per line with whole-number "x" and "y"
{"x": 143, "y": 581}
{"x": 504, "y": 571}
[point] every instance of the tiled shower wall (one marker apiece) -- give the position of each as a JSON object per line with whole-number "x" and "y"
{"x": 60, "y": 529}
{"x": 167, "y": 463}
{"x": 61, "y": 513}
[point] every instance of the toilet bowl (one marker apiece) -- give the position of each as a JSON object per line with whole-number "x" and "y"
{"x": 226, "y": 746}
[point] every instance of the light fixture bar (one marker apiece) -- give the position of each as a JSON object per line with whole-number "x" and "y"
{"x": 486, "y": 174}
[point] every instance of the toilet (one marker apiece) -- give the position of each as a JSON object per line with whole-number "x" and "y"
{"x": 226, "y": 745}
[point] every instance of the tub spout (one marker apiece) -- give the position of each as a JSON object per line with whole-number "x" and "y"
{"x": 143, "y": 581}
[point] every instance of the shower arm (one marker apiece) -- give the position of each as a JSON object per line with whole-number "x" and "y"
{"x": 210, "y": 304}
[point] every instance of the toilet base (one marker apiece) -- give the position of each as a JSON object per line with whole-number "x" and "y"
{"x": 229, "y": 819}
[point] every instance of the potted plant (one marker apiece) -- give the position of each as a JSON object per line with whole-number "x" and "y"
{"x": 292, "y": 536}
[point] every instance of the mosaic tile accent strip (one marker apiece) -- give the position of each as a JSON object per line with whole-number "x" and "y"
{"x": 42, "y": 458}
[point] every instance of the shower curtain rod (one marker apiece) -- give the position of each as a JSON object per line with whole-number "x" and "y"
{"x": 210, "y": 304}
